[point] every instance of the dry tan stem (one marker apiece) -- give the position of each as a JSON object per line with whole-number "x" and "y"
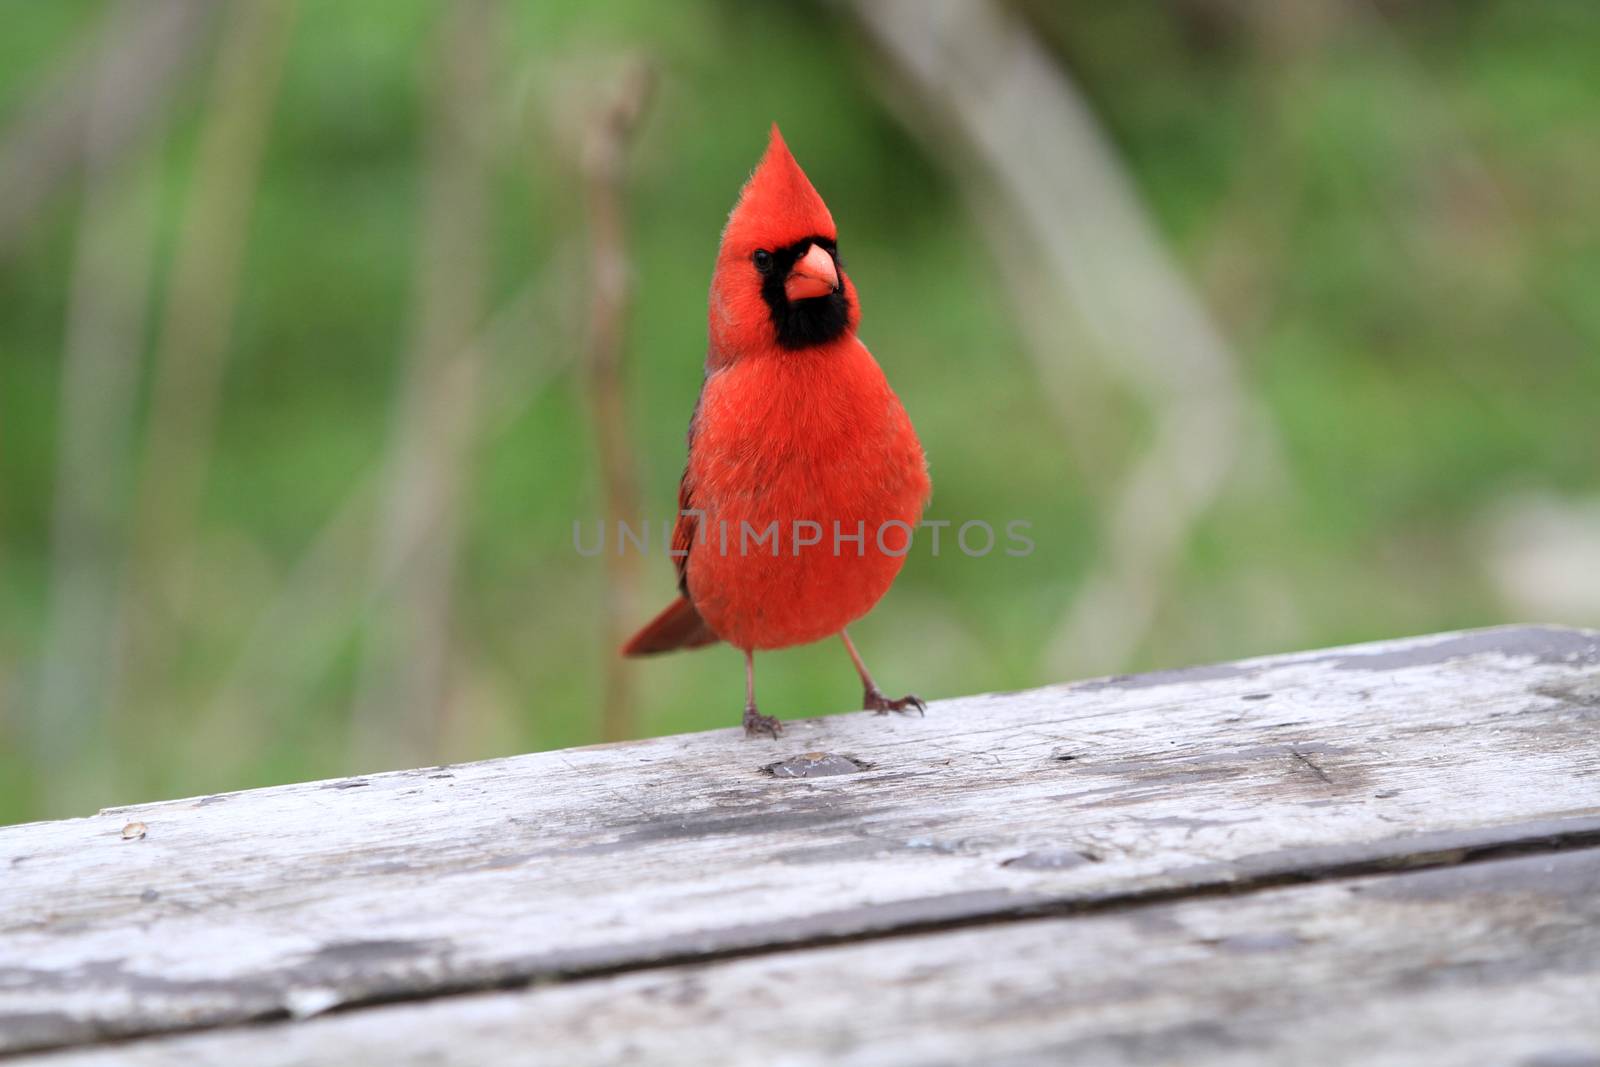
{"x": 605, "y": 181}
{"x": 120, "y": 83}
{"x": 108, "y": 304}
{"x": 403, "y": 697}
{"x": 196, "y": 331}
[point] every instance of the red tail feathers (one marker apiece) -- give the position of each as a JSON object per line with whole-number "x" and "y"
{"x": 679, "y": 626}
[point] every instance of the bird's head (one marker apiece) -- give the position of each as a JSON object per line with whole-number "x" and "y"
{"x": 779, "y": 282}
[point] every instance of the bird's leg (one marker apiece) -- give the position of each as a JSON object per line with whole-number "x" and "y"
{"x": 872, "y": 697}
{"x": 755, "y": 723}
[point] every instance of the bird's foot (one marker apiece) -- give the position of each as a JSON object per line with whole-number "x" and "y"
{"x": 756, "y": 724}
{"x": 874, "y": 700}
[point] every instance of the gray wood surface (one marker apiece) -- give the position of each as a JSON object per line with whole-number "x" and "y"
{"x": 1489, "y": 963}
{"x": 1078, "y": 801}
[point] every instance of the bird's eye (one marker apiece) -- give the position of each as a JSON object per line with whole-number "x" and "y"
{"x": 763, "y": 260}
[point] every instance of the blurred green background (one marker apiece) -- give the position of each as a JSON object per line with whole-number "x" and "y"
{"x": 296, "y": 302}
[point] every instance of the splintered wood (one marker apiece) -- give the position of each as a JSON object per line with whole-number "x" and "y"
{"x": 1387, "y": 853}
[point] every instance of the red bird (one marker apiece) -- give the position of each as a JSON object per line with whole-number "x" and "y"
{"x": 805, "y": 478}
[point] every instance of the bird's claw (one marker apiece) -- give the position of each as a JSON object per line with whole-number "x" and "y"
{"x": 874, "y": 700}
{"x": 757, "y": 724}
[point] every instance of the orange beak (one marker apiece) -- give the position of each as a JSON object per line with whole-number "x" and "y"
{"x": 815, "y": 275}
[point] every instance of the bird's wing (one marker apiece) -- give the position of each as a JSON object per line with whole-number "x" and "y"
{"x": 687, "y": 528}
{"x": 684, "y": 533}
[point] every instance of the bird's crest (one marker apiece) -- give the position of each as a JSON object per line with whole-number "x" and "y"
{"x": 778, "y": 205}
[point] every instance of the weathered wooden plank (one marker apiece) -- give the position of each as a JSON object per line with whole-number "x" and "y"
{"x": 302, "y": 898}
{"x": 1495, "y": 962}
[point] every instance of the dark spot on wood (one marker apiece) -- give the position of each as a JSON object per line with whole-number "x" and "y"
{"x": 895, "y": 776}
{"x": 1184, "y": 822}
{"x": 1168, "y": 677}
{"x": 22, "y": 1031}
{"x": 1063, "y": 756}
{"x": 215, "y": 799}
{"x": 346, "y": 783}
{"x": 391, "y": 867}
{"x": 1182, "y": 1043}
{"x": 1051, "y": 860}
{"x": 816, "y": 765}
{"x": 149, "y": 896}
{"x": 842, "y": 852}
{"x": 680, "y": 993}
{"x": 1542, "y": 644}
{"x": 1573, "y": 877}
{"x": 373, "y": 971}
{"x": 374, "y": 951}
{"x": 438, "y": 776}
{"x": 250, "y": 996}
{"x": 1385, "y": 794}
{"x": 1261, "y": 752}
{"x": 758, "y": 820}
{"x": 1256, "y": 696}
{"x": 1582, "y": 695}
{"x": 1262, "y": 941}
{"x": 1187, "y": 769}
{"x": 1161, "y": 922}
{"x": 823, "y": 928}
{"x": 1563, "y": 1057}
{"x": 1438, "y": 848}
{"x": 938, "y": 846}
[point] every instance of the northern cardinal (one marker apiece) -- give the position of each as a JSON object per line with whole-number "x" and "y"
{"x": 796, "y": 436}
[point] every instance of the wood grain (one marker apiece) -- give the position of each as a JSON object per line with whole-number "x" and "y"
{"x": 1091, "y": 797}
{"x": 1491, "y": 963}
